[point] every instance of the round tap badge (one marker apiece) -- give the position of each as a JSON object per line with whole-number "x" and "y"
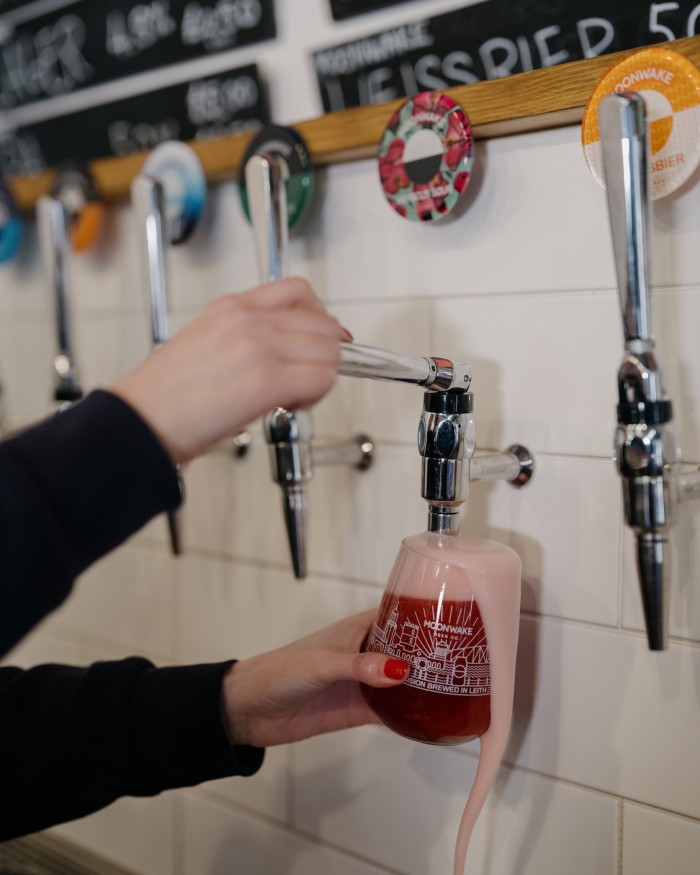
{"x": 425, "y": 157}
{"x": 670, "y": 86}
{"x": 286, "y": 145}
{"x": 10, "y": 225}
{"x": 77, "y": 191}
{"x": 180, "y": 172}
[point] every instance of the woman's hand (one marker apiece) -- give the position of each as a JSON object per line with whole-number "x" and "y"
{"x": 273, "y": 346}
{"x": 308, "y": 687}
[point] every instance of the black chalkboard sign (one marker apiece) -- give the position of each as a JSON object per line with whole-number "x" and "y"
{"x": 9, "y": 5}
{"x": 229, "y": 102}
{"x": 489, "y": 40}
{"x": 90, "y": 42}
{"x": 341, "y": 9}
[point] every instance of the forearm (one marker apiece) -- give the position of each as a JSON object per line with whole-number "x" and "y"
{"x": 71, "y": 489}
{"x": 73, "y": 740}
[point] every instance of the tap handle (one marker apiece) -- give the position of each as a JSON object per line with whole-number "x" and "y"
{"x": 375, "y": 363}
{"x": 266, "y": 178}
{"x": 624, "y": 142}
{"x": 288, "y": 433}
{"x": 53, "y": 235}
{"x": 148, "y": 201}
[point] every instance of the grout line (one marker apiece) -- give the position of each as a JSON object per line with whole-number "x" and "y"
{"x": 178, "y": 839}
{"x": 620, "y": 834}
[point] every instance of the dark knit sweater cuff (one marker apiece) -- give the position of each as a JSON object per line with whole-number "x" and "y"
{"x": 177, "y": 732}
{"x": 101, "y": 450}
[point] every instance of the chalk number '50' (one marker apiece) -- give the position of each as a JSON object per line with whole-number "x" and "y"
{"x": 656, "y": 10}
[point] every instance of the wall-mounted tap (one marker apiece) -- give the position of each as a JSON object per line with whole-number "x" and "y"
{"x": 147, "y": 197}
{"x": 448, "y": 434}
{"x": 446, "y": 431}
{"x": 289, "y": 434}
{"x": 645, "y": 448}
{"x": 54, "y": 243}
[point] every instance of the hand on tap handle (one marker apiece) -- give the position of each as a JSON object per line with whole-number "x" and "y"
{"x": 273, "y": 346}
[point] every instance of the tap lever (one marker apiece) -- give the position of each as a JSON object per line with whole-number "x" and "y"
{"x": 148, "y": 200}
{"x": 51, "y": 220}
{"x": 266, "y": 179}
{"x": 437, "y": 374}
{"x": 624, "y": 143}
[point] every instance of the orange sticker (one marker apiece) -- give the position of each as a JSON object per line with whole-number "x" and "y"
{"x": 86, "y": 227}
{"x": 670, "y": 86}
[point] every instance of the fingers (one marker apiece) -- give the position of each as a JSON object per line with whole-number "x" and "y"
{"x": 289, "y": 292}
{"x": 374, "y": 669}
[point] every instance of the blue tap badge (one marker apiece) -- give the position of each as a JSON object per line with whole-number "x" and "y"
{"x": 176, "y": 166}
{"x": 11, "y": 225}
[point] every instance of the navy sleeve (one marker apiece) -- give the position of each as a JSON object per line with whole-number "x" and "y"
{"x": 71, "y": 489}
{"x": 73, "y": 740}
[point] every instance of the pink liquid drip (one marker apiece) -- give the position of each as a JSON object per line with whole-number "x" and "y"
{"x": 448, "y": 569}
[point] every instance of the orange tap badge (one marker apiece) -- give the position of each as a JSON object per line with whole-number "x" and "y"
{"x": 670, "y": 86}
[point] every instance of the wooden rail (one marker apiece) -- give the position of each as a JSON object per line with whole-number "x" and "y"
{"x": 532, "y": 101}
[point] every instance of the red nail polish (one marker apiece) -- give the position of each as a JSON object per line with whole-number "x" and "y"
{"x": 396, "y": 669}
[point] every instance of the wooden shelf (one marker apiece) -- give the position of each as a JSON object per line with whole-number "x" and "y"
{"x": 532, "y": 101}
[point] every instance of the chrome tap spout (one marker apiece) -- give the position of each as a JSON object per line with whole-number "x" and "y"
{"x": 645, "y": 449}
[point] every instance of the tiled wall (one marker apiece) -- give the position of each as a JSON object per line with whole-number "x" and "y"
{"x": 602, "y": 771}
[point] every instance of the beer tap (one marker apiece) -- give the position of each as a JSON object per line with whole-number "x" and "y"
{"x": 288, "y": 433}
{"x": 53, "y": 237}
{"x": 446, "y": 429}
{"x": 645, "y": 450}
{"x": 147, "y": 198}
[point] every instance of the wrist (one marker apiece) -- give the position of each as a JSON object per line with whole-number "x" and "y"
{"x": 232, "y": 708}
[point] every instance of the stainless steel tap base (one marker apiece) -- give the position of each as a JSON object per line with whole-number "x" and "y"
{"x": 357, "y": 452}
{"x": 295, "y": 517}
{"x": 241, "y": 442}
{"x": 652, "y": 565}
{"x": 516, "y": 465}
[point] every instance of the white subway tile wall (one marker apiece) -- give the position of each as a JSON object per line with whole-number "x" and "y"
{"x": 601, "y": 773}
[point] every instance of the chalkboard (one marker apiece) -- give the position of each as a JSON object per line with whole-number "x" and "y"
{"x": 89, "y": 42}
{"x": 489, "y": 40}
{"x": 229, "y": 102}
{"x": 341, "y": 9}
{"x": 8, "y": 5}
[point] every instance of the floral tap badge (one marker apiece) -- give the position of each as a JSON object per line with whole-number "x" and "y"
{"x": 425, "y": 157}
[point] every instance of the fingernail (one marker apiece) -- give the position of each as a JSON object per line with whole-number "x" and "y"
{"x": 346, "y": 334}
{"x": 396, "y": 669}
